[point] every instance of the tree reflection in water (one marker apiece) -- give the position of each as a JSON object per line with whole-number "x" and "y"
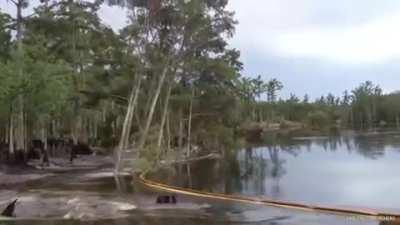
{"x": 259, "y": 170}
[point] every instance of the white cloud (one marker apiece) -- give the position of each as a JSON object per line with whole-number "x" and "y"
{"x": 373, "y": 42}
{"x": 115, "y": 17}
{"x": 346, "y": 32}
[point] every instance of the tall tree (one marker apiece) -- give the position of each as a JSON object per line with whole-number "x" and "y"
{"x": 273, "y": 86}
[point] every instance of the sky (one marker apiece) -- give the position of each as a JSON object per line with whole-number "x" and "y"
{"x": 312, "y": 46}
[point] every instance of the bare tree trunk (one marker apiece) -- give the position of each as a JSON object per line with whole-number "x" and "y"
{"x": 77, "y": 124}
{"x": 44, "y": 140}
{"x": 11, "y": 136}
{"x": 95, "y": 129}
{"x": 143, "y": 138}
{"x": 84, "y": 130}
{"x": 76, "y": 129}
{"x": 91, "y": 129}
{"x": 135, "y": 99}
{"x": 153, "y": 83}
{"x": 20, "y": 132}
{"x": 44, "y": 153}
{"x": 189, "y": 173}
{"x": 6, "y": 133}
{"x": 168, "y": 133}
{"x": 164, "y": 117}
{"x": 180, "y": 131}
{"x": 126, "y": 128}
{"x": 190, "y": 125}
{"x": 27, "y": 136}
{"x": 104, "y": 114}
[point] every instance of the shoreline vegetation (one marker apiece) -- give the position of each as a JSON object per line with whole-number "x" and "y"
{"x": 77, "y": 97}
{"x": 166, "y": 85}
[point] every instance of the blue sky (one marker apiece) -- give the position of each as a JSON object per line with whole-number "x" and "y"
{"x": 312, "y": 46}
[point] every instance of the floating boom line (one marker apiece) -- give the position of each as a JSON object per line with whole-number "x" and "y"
{"x": 367, "y": 213}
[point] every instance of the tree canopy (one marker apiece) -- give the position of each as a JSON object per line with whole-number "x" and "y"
{"x": 167, "y": 83}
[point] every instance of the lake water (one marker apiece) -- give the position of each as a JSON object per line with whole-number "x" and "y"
{"x": 361, "y": 171}
{"x": 352, "y": 170}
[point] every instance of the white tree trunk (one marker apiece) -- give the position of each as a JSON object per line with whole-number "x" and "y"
{"x": 180, "y": 131}
{"x": 164, "y": 117}
{"x": 168, "y": 133}
{"x": 190, "y": 125}
{"x": 126, "y": 127}
{"x": 6, "y": 136}
{"x": 11, "y": 136}
{"x": 20, "y": 131}
{"x": 76, "y": 129}
{"x": 143, "y": 137}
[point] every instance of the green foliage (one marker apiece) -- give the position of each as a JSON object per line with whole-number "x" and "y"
{"x": 318, "y": 119}
{"x": 71, "y": 70}
{"x": 272, "y": 87}
{"x": 46, "y": 87}
{"x": 364, "y": 107}
{"x": 142, "y": 165}
{"x": 5, "y": 36}
{"x": 366, "y": 98}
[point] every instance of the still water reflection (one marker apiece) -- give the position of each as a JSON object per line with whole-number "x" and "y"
{"x": 350, "y": 170}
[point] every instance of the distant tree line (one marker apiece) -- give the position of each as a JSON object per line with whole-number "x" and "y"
{"x": 364, "y": 107}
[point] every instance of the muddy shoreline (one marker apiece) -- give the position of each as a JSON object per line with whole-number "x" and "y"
{"x": 20, "y": 174}
{"x": 84, "y": 190}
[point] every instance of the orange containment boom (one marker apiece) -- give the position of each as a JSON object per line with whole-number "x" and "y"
{"x": 369, "y": 213}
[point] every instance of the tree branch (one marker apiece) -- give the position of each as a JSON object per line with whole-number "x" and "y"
{"x": 13, "y": 1}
